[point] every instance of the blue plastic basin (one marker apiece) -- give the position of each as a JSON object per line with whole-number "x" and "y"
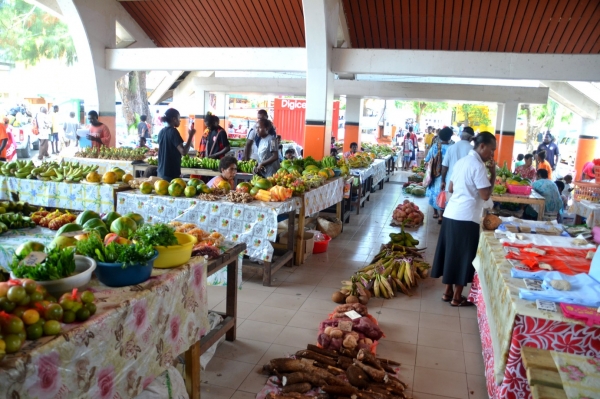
{"x": 113, "y": 274}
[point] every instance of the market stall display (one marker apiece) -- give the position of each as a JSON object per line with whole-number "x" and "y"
{"x": 104, "y": 165}
{"x": 533, "y": 199}
{"x": 589, "y": 210}
{"x": 507, "y": 322}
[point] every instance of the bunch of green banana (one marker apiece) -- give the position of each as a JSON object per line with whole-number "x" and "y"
{"x": 210, "y": 163}
{"x": 329, "y": 162}
{"x": 403, "y": 238}
{"x": 16, "y": 221}
{"x": 247, "y": 166}
{"x": 20, "y": 169}
{"x": 67, "y": 171}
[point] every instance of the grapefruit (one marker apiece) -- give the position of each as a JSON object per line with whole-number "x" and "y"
{"x": 179, "y": 181}
{"x": 189, "y": 191}
{"x": 127, "y": 178}
{"x": 224, "y": 185}
{"x": 109, "y": 177}
{"x": 193, "y": 182}
{"x": 161, "y": 187}
{"x": 137, "y": 218}
{"x": 203, "y": 189}
{"x": 175, "y": 189}
{"x": 119, "y": 172}
{"x": 146, "y": 188}
{"x": 123, "y": 226}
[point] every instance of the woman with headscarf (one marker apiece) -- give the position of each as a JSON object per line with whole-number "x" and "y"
{"x": 459, "y": 236}
{"x": 436, "y": 156}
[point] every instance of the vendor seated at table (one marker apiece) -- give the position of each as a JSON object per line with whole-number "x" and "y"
{"x": 553, "y": 207}
{"x": 228, "y": 169}
{"x": 171, "y": 147}
{"x": 353, "y": 150}
{"x": 527, "y": 170}
{"x": 290, "y": 154}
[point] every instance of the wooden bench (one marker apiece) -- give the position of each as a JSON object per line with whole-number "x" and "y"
{"x": 542, "y": 374}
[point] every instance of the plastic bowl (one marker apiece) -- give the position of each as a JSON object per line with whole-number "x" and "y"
{"x": 84, "y": 267}
{"x": 175, "y": 255}
{"x": 337, "y": 172}
{"x": 113, "y": 274}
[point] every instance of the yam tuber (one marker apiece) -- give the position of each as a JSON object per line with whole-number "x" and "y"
{"x": 301, "y": 377}
{"x": 368, "y": 358}
{"x": 344, "y": 362}
{"x": 376, "y": 375}
{"x": 348, "y": 352}
{"x": 306, "y": 354}
{"x": 291, "y": 395}
{"x": 301, "y": 387}
{"x": 322, "y": 351}
{"x": 357, "y": 377}
{"x": 337, "y": 390}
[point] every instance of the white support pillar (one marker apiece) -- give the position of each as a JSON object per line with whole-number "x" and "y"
{"x": 320, "y": 22}
{"x": 507, "y": 134}
{"x": 92, "y": 25}
{"x": 352, "y": 128}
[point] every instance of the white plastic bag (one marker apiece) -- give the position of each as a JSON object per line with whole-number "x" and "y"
{"x": 214, "y": 319}
{"x": 168, "y": 385}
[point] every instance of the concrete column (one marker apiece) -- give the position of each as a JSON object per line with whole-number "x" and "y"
{"x": 352, "y": 128}
{"x": 588, "y": 145}
{"x": 498, "y": 127}
{"x": 507, "y": 134}
{"x": 320, "y": 22}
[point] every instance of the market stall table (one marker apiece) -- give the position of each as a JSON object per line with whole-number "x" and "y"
{"x": 134, "y": 336}
{"x": 533, "y": 199}
{"x": 73, "y": 196}
{"x": 379, "y": 172}
{"x": 254, "y": 223}
{"x": 589, "y": 210}
{"x": 316, "y": 200}
{"x": 542, "y": 374}
{"x": 104, "y": 165}
{"x": 141, "y": 167}
{"x": 507, "y": 323}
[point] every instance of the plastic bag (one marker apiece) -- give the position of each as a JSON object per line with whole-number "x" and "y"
{"x": 441, "y": 200}
{"x": 214, "y": 319}
{"x": 168, "y": 385}
{"x": 317, "y": 235}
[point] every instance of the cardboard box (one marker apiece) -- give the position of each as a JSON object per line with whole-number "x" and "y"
{"x": 308, "y": 242}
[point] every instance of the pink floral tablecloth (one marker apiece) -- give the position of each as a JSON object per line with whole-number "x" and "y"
{"x": 135, "y": 334}
{"x": 559, "y": 336}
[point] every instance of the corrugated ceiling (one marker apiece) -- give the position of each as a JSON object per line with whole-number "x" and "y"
{"x": 521, "y": 26}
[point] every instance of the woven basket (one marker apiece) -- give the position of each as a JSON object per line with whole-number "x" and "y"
{"x": 586, "y": 191}
{"x": 597, "y": 173}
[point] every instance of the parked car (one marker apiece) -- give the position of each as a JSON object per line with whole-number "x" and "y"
{"x": 25, "y": 141}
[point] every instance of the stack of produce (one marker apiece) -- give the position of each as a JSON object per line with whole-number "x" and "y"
{"x": 415, "y": 189}
{"x": 360, "y": 160}
{"x": 70, "y": 172}
{"x": 342, "y": 332}
{"x": 113, "y": 176}
{"x": 408, "y": 214}
{"x": 397, "y": 268}
{"x": 14, "y": 221}
{"x": 380, "y": 150}
{"x": 420, "y": 168}
{"x": 292, "y": 180}
{"x": 347, "y": 373}
{"x": 117, "y": 154}
{"x": 204, "y": 238}
{"x": 28, "y": 312}
{"x": 237, "y": 143}
{"x": 52, "y": 220}
{"x": 152, "y": 161}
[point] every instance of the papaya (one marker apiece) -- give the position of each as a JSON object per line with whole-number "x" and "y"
{"x": 137, "y": 218}
{"x": 263, "y": 184}
{"x": 110, "y": 217}
{"x": 69, "y": 228}
{"x": 123, "y": 226}
{"x": 90, "y": 224}
{"x": 85, "y": 216}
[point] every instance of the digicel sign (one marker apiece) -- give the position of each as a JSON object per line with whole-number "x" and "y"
{"x": 293, "y": 104}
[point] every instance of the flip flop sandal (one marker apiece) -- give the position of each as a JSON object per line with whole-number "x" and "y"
{"x": 435, "y": 216}
{"x": 447, "y": 298}
{"x": 464, "y": 302}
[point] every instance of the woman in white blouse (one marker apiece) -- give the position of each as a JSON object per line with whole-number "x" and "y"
{"x": 459, "y": 235}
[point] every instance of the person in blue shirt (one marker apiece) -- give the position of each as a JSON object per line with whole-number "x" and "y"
{"x": 547, "y": 189}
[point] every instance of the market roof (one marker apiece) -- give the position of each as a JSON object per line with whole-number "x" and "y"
{"x": 519, "y": 26}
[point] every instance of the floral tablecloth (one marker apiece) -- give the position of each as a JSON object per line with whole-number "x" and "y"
{"x": 74, "y": 196}
{"x": 254, "y": 224}
{"x": 10, "y": 240}
{"x": 379, "y": 170}
{"x": 589, "y": 210}
{"x": 323, "y": 197}
{"x": 135, "y": 334}
{"x": 104, "y": 165}
{"x": 507, "y": 322}
{"x": 580, "y": 375}
{"x": 363, "y": 173}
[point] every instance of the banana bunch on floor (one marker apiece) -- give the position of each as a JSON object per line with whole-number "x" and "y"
{"x": 395, "y": 269}
{"x": 404, "y": 238}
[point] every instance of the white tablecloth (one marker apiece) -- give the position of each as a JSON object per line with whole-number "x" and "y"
{"x": 587, "y": 209}
{"x": 379, "y": 170}
{"x": 363, "y": 173}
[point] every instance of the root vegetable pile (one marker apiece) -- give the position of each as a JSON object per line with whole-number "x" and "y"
{"x": 408, "y": 214}
{"x": 338, "y": 374}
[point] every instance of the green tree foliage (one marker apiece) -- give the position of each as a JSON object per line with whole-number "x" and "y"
{"x": 420, "y": 108}
{"x": 28, "y": 34}
{"x": 542, "y": 117}
{"x": 474, "y": 115}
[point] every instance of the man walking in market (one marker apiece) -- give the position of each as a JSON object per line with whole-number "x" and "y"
{"x": 552, "y": 153}
{"x": 455, "y": 153}
{"x": 44, "y": 126}
{"x": 55, "y": 120}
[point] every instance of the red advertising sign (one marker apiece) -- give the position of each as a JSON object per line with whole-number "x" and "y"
{"x": 289, "y": 118}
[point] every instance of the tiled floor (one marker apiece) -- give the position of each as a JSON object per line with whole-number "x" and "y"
{"x": 438, "y": 346}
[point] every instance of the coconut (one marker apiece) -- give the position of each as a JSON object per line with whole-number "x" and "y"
{"x": 351, "y": 299}
{"x": 338, "y": 297}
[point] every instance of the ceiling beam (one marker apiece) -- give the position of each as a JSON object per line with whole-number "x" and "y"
{"x": 383, "y": 90}
{"x": 164, "y": 86}
{"x": 275, "y": 59}
{"x": 473, "y": 64}
{"x": 573, "y": 99}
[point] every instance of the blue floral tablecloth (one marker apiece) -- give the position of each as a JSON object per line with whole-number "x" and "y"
{"x": 74, "y": 196}
{"x": 254, "y": 224}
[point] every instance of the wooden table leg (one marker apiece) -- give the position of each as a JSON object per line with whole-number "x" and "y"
{"x": 542, "y": 209}
{"x": 231, "y": 298}
{"x": 299, "y": 255}
{"x": 192, "y": 371}
{"x": 291, "y": 230}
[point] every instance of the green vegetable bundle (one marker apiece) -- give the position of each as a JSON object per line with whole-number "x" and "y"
{"x": 127, "y": 254}
{"x": 158, "y": 234}
{"x": 59, "y": 263}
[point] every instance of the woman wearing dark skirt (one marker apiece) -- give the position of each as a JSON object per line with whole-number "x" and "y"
{"x": 459, "y": 235}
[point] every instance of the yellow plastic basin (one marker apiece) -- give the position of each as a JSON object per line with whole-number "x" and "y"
{"x": 175, "y": 255}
